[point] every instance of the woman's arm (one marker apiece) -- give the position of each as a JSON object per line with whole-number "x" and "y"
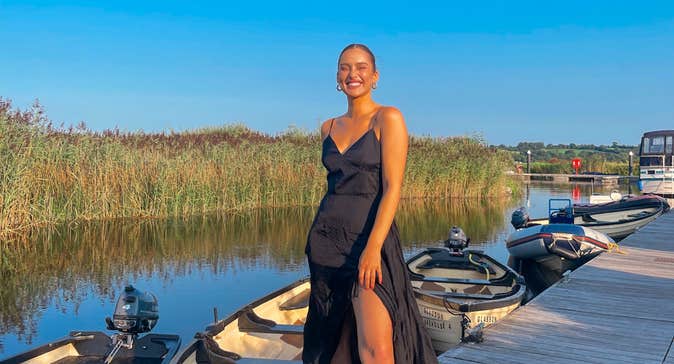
{"x": 394, "y": 144}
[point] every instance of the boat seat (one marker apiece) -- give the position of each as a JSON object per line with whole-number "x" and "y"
{"x": 562, "y": 216}
{"x": 502, "y": 281}
{"x": 250, "y": 322}
{"x": 457, "y": 295}
{"x": 450, "y": 262}
{"x": 295, "y": 303}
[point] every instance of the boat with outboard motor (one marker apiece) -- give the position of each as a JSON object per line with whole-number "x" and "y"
{"x": 136, "y": 313}
{"x": 616, "y": 219}
{"x": 268, "y": 330}
{"x": 558, "y": 247}
{"x": 460, "y": 291}
{"x": 544, "y": 253}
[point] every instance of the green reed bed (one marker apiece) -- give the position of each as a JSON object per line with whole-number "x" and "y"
{"x": 55, "y": 175}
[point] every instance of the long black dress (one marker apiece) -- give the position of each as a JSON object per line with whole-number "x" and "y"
{"x": 336, "y": 239}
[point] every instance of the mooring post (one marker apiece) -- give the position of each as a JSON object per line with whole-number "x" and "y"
{"x": 629, "y": 168}
{"x": 528, "y": 161}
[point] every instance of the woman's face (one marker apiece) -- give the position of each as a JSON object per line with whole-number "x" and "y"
{"x": 355, "y": 72}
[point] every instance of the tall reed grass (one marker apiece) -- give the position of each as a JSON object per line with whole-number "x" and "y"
{"x": 52, "y": 175}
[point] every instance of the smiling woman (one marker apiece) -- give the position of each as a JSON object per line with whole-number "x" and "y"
{"x": 361, "y": 307}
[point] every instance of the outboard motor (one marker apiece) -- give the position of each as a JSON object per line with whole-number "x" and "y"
{"x": 457, "y": 239}
{"x": 519, "y": 218}
{"x": 136, "y": 312}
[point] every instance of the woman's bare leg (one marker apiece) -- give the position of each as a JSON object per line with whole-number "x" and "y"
{"x": 375, "y": 331}
{"x": 343, "y": 352}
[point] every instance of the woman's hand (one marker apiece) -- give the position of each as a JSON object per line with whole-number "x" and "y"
{"x": 369, "y": 268}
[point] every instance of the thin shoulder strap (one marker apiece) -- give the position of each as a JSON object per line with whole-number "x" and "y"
{"x": 331, "y": 122}
{"x": 376, "y": 119}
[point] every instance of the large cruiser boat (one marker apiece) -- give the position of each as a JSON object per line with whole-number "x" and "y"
{"x": 656, "y": 162}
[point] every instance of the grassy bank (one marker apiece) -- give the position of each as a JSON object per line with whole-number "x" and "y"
{"x": 54, "y": 175}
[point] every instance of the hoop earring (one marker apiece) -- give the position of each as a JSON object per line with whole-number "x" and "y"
{"x": 374, "y": 85}
{"x": 339, "y": 87}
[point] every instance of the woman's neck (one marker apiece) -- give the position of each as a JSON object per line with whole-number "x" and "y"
{"x": 360, "y": 106}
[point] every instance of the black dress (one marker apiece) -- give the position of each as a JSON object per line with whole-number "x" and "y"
{"x": 336, "y": 239}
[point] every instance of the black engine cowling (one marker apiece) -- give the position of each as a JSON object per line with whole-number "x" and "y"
{"x": 519, "y": 218}
{"x": 136, "y": 312}
{"x": 457, "y": 239}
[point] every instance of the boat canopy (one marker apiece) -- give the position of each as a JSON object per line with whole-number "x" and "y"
{"x": 656, "y": 148}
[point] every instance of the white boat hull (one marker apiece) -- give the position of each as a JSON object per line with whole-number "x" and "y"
{"x": 557, "y": 246}
{"x": 452, "y": 300}
{"x": 660, "y": 186}
{"x": 446, "y": 326}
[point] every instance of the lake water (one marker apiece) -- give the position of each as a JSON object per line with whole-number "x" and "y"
{"x": 69, "y": 279}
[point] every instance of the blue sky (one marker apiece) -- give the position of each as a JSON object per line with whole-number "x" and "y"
{"x": 572, "y": 71}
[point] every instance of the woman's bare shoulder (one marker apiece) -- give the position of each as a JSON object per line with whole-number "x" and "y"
{"x": 390, "y": 116}
{"x": 325, "y": 127}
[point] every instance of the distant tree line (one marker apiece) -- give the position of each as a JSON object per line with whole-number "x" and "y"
{"x": 556, "y": 158}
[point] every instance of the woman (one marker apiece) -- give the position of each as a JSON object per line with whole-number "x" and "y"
{"x": 361, "y": 308}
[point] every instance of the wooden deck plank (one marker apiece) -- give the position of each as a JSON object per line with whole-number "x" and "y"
{"x": 588, "y": 326}
{"x": 562, "y": 328}
{"x": 499, "y": 353}
{"x": 618, "y": 308}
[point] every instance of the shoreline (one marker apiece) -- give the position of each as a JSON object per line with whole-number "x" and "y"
{"x": 57, "y": 176}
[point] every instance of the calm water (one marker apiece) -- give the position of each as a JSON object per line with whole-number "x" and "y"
{"x": 69, "y": 279}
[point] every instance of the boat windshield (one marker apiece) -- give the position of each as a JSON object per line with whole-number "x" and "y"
{"x": 660, "y": 144}
{"x": 656, "y": 149}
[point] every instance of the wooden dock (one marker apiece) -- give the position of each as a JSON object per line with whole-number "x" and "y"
{"x": 618, "y": 308}
{"x": 600, "y": 179}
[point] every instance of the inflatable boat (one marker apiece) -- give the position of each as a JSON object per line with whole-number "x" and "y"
{"x": 558, "y": 247}
{"x": 616, "y": 219}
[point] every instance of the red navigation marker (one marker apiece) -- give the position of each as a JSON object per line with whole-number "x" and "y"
{"x": 575, "y": 163}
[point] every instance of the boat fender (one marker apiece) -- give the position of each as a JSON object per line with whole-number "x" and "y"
{"x": 617, "y": 196}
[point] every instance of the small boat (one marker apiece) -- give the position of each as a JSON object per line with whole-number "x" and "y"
{"x": 616, "y": 219}
{"x": 460, "y": 291}
{"x": 558, "y": 247}
{"x": 456, "y": 300}
{"x": 135, "y": 313}
{"x": 268, "y": 330}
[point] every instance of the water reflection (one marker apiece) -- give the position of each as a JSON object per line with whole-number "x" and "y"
{"x": 68, "y": 278}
